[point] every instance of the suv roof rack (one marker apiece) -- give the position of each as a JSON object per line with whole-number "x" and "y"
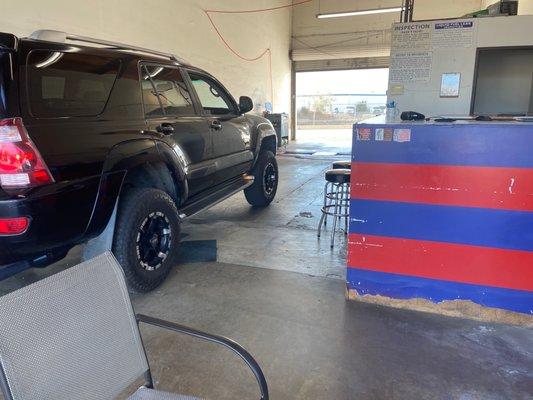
{"x": 61, "y": 37}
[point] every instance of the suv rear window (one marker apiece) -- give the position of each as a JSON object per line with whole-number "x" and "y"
{"x": 69, "y": 84}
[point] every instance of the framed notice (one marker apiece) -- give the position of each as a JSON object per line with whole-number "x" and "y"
{"x": 450, "y": 84}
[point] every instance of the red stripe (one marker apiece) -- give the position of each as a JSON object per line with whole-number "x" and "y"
{"x": 483, "y": 187}
{"x": 485, "y": 266}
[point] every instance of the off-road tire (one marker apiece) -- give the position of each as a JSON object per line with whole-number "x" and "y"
{"x": 138, "y": 208}
{"x": 262, "y": 191}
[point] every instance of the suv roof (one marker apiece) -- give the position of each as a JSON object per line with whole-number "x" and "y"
{"x": 61, "y": 37}
{"x": 10, "y": 42}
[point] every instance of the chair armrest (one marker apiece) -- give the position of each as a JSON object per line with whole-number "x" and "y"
{"x": 228, "y": 343}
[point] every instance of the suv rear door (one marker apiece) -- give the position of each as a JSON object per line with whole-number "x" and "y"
{"x": 172, "y": 116}
{"x": 230, "y": 129}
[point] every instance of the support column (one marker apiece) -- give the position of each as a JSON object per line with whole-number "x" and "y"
{"x": 293, "y": 101}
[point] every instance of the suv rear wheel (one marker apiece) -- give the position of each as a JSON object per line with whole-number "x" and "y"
{"x": 146, "y": 237}
{"x": 265, "y": 185}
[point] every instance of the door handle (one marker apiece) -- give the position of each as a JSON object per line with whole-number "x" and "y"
{"x": 165, "y": 128}
{"x": 216, "y": 125}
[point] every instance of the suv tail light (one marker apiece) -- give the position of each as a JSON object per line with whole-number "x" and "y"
{"x": 14, "y": 226}
{"x": 21, "y": 165}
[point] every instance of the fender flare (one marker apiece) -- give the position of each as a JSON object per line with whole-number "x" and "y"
{"x": 120, "y": 159}
{"x": 262, "y": 131}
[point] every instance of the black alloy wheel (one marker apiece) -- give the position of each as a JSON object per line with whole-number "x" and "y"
{"x": 154, "y": 239}
{"x": 146, "y": 240}
{"x": 266, "y": 179}
{"x": 270, "y": 178}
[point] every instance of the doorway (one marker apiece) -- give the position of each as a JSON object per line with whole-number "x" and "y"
{"x": 328, "y": 103}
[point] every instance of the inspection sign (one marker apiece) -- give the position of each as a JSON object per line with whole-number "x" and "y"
{"x": 453, "y": 34}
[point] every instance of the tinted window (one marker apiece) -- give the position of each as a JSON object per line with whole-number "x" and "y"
{"x": 69, "y": 84}
{"x": 165, "y": 92}
{"x": 212, "y": 97}
{"x": 5, "y": 78}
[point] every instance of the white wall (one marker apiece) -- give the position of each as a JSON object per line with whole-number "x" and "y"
{"x": 489, "y": 32}
{"x": 179, "y": 26}
{"x": 525, "y": 7}
{"x": 360, "y": 36}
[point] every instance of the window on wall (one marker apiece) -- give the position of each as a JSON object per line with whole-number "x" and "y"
{"x": 213, "y": 98}
{"x": 165, "y": 92}
{"x": 69, "y": 84}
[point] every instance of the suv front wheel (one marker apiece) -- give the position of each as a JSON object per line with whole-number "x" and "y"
{"x": 146, "y": 237}
{"x": 263, "y": 190}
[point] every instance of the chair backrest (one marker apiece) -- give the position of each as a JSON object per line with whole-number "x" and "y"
{"x": 71, "y": 336}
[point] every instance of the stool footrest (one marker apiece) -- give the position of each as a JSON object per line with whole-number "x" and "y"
{"x": 325, "y": 210}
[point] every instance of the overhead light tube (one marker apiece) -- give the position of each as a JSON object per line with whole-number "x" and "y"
{"x": 360, "y": 12}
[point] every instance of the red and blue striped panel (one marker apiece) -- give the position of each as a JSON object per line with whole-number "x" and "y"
{"x": 446, "y": 215}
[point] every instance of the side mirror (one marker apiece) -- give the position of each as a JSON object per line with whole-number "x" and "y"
{"x": 245, "y": 104}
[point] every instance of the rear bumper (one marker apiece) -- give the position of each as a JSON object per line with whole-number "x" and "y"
{"x": 59, "y": 215}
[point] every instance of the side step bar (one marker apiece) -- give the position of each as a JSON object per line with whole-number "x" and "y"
{"x": 216, "y": 196}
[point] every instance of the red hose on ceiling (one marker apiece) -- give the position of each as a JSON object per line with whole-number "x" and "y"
{"x": 267, "y": 51}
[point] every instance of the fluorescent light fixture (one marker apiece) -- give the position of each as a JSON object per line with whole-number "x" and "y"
{"x": 360, "y": 12}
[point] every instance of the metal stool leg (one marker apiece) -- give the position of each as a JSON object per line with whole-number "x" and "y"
{"x": 341, "y": 204}
{"x": 335, "y": 216}
{"x": 336, "y": 204}
{"x": 326, "y": 200}
{"x": 346, "y": 208}
{"x": 323, "y": 217}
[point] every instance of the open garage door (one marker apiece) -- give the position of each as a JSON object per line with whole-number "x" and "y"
{"x": 341, "y": 64}
{"x": 329, "y": 101}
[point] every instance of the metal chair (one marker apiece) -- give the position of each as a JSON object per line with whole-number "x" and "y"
{"x": 336, "y": 200}
{"x": 74, "y": 336}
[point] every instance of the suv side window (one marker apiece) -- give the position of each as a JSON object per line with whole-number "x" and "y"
{"x": 165, "y": 92}
{"x": 69, "y": 84}
{"x": 213, "y": 98}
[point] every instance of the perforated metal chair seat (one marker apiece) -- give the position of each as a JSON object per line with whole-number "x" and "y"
{"x": 74, "y": 336}
{"x": 151, "y": 394}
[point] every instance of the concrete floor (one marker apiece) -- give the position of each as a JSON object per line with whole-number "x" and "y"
{"x": 262, "y": 278}
{"x": 322, "y": 142}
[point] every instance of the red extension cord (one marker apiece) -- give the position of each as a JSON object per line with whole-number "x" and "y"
{"x": 266, "y": 51}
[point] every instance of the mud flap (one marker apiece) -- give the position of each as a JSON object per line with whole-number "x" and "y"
{"x": 103, "y": 242}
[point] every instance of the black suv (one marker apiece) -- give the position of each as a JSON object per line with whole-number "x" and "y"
{"x": 117, "y": 143}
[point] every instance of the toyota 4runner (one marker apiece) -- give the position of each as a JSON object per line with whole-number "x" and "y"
{"x": 114, "y": 145}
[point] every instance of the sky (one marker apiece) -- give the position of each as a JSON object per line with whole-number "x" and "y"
{"x": 343, "y": 82}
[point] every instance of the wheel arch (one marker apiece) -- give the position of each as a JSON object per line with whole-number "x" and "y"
{"x": 265, "y": 139}
{"x": 137, "y": 163}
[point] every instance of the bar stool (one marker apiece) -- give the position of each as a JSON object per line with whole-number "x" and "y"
{"x": 336, "y": 200}
{"x": 342, "y": 165}
{"x": 329, "y": 195}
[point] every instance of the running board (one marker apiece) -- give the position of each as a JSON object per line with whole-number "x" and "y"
{"x": 216, "y": 196}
